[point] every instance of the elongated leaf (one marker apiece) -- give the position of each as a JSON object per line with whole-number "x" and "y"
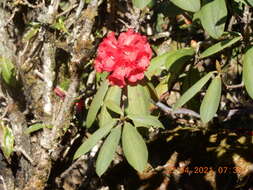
{"x": 177, "y": 62}
{"x": 213, "y": 17}
{"x": 113, "y": 95}
{"x": 188, "y": 5}
{"x": 107, "y": 151}
{"x": 192, "y": 76}
{"x": 141, "y": 3}
{"x": 104, "y": 116}
{"x": 7, "y": 71}
{"x": 211, "y": 101}
{"x": 152, "y": 91}
{"x": 59, "y": 25}
{"x": 179, "y": 56}
{"x": 138, "y": 102}
{"x": 134, "y": 147}
{"x": 34, "y": 128}
{"x": 248, "y": 71}
{"x": 191, "y": 92}
{"x": 157, "y": 64}
{"x": 162, "y": 87}
{"x": 219, "y": 46}
{"x": 65, "y": 84}
{"x": 113, "y": 106}
{"x": 96, "y": 103}
{"x": 250, "y": 2}
{"x": 30, "y": 33}
{"x": 146, "y": 120}
{"x": 93, "y": 139}
{"x": 174, "y": 58}
{"x": 7, "y": 140}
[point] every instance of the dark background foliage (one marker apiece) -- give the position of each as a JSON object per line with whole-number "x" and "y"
{"x": 49, "y": 45}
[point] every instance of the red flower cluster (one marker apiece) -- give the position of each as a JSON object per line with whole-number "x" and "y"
{"x": 126, "y": 58}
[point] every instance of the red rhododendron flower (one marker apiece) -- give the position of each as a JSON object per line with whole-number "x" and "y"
{"x": 125, "y": 58}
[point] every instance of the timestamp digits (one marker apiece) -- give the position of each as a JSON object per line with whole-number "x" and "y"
{"x": 205, "y": 169}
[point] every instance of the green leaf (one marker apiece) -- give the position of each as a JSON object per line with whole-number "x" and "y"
{"x": 219, "y": 46}
{"x": 146, "y": 120}
{"x": 7, "y": 140}
{"x": 107, "y": 151}
{"x": 113, "y": 106}
{"x": 191, "y": 92}
{"x": 179, "y": 56}
{"x": 134, "y": 147}
{"x": 152, "y": 91}
{"x": 7, "y": 71}
{"x": 196, "y": 16}
{"x": 192, "y": 76}
{"x": 34, "y": 128}
{"x": 138, "y": 100}
{"x": 177, "y": 62}
{"x": 211, "y": 101}
{"x": 59, "y": 25}
{"x": 30, "y": 33}
{"x": 250, "y": 2}
{"x": 65, "y": 84}
{"x": 248, "y": 71}
{"x": 104, "y": 116}
{"x": 213, "y": 17}
{"x": 96, "y": 103}
{"x": 8, "y": 145}
{"x": 157, "y": 65}
{"x": 188, "y": 5}
{"x": 162, "y": 87}
{"x": 93, "y": 139}
{"x": 167, "y": 60}
{"x": 141, "y": 3}
{"x": 173, "y": 61}
{"x": 113, "y": 95}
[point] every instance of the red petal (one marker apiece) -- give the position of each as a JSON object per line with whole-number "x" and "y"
{"x": 127, "y": 58}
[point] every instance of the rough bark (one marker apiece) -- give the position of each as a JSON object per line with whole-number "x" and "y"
{"x": 35, "y": 64}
